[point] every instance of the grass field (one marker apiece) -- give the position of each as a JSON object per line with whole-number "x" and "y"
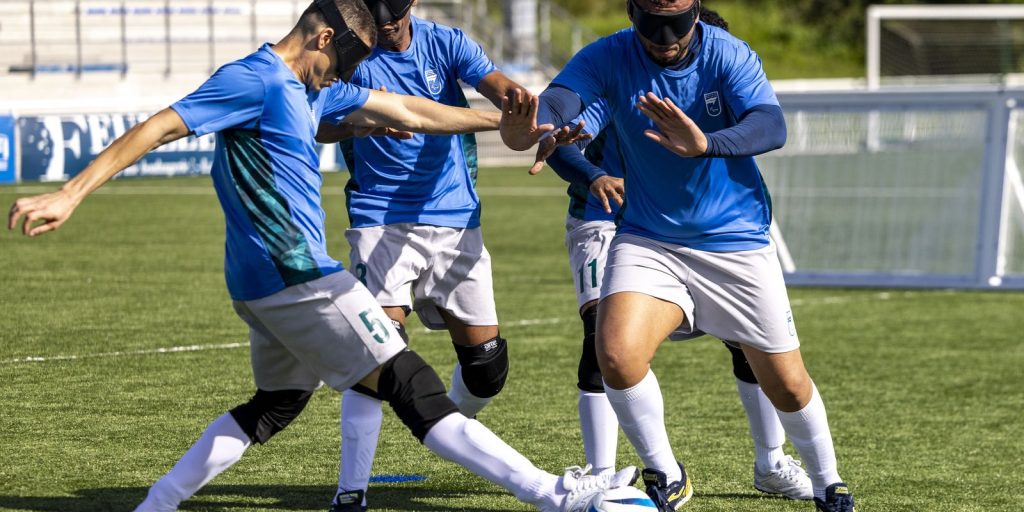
{"x": 924, "y": 388}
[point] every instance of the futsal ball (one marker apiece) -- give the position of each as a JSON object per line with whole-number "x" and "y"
{"x": 622, "y": 499}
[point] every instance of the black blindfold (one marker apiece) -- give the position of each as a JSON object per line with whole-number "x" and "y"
{"x": 388, "y": 11}
{"x": 663, "y": 29}
{"x": 351, "y": 50}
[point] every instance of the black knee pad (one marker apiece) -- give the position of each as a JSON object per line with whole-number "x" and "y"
{"x": 589, "y": 373}
{"x": 484, "y": 367}
{"x": 415, "y": 392}
{"x": 269, "y": 412}
{"x": 740, "y": 367}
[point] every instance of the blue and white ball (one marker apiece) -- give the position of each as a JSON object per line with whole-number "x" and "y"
{"x": 622, "y": 499}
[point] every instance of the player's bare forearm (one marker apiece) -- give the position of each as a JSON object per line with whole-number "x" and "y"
{"x": 421, "y": 115}
{"x": 495, "y": 86}
{"x": 328, "y": 133}
{"x": 166, "y": 126}
{"x": 53, "y": 209}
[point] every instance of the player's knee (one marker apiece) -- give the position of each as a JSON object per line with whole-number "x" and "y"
{"x": 589, "y": 373}
{"x": 363, "y": 390}
{"x": 484, "y": 366}
{"x": 740, "y": 366}
{"x": 269, "y": 412}
{"x": 415, "y": 392}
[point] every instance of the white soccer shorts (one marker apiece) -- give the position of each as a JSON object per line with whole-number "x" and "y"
{"x": 734, "y": 296}
{"x": 329, "y": 329}
{"x": 587, "y": 243}
{"x": 426, "y": 268}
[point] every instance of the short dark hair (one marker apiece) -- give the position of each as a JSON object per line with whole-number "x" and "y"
{"x": 354, "y": 13}
{"x": 713, "y": 18}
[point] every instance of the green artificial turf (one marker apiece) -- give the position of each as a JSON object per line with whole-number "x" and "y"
{"x": 923, "y": 387}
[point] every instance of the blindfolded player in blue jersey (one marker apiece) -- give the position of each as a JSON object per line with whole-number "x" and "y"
{"x": 310, "y": 320}
{"x": 415, "y": 233}
{"x": 690, "y": 106}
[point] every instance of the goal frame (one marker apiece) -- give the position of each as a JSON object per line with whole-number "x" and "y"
{"x": 877, "y": 13}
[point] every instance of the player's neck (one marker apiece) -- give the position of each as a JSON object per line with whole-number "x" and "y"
{"x": 291, "y": 50}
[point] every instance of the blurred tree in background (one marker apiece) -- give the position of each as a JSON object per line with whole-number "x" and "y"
{"x": 795, "y": 38}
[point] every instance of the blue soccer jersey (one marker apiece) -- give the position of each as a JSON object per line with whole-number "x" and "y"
{"x": 429, "y": 179}
{"x": 266, "y": 169}
{"x": 711, "y": 204}
{"x": 603, "y": 152}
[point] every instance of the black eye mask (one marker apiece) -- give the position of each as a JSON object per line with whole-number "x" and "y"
{"x": 350, "y": 48}
{"x": 388, "y": 11}
{"x": 663, "y": 29}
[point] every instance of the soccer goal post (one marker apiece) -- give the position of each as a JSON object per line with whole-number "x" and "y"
{"x": 917, "y": 44}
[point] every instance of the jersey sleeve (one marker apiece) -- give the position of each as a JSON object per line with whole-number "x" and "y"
{"x": 745, "y": 84}
{"x": 472, "y": 64}
{"x": 584, "y": 73}
{"x": 342, "y": 100}
{"x": 595, "y": 116}
{"x": 232, "y": 97}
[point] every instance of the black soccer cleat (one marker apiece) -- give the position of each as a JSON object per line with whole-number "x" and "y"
{"x": 349, "y": 501}
{"x": 838, "y": 498}
{"x": 669, "y": 497}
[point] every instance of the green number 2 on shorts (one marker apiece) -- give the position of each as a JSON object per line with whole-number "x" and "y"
{"x": 376, "y": 327}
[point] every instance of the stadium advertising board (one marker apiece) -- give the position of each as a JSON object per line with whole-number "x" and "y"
{"x": 58, "y": 147}
{"x": 8, "y": 154}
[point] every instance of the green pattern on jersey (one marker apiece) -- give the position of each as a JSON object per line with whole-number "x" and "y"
{"x": 578, "y": 194}
{"x": 348, "y": 154}
{"x": 469, "y": 149}
{"x": 267, "y": 209}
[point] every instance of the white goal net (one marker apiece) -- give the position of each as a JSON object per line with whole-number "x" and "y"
{"x": 960, "y": 44}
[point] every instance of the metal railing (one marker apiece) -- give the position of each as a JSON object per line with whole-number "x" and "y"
{"x": 168, "y": 37}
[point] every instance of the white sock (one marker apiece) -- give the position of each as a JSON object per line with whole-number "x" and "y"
{"x": 221, "y": 445}
{"x": 470, "y": 444}
{"x": 765, "y": 427}
{"x": 600, "y": 430}
{"x": 641, "y": 414}
{"x": 468, "y": 404}
{"x": 808, "y": 431}
{"x": 361, "y": 417}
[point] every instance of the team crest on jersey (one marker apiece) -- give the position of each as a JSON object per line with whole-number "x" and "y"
{"x": 713, "y": 103}
{"x": 433, "y": 81}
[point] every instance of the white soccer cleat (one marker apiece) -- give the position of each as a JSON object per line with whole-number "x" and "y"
{"x": 788, "y": 479}
{"x": 583, "y": 487}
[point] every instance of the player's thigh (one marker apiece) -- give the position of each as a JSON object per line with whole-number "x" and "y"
{"x": 333, "y": 326}
{"x": 386, "y": 262}
{"x": 274, "y": 367}
{"x": 741, "y": 297}
{"x": 587, "y": 243}
{"x": 457, "y": 279}
{"x": 465, "y": 334}
{"x": 643, "y": 301}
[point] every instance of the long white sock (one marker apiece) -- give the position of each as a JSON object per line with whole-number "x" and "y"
{"x": 808, "y": 431}
{"x": 361, "y": 417}
{"x": 641, "y": 413}
{"x": 469, "y": 405}
{"x": 221, "y": 445}
{"x": 470, "y": 444}
{"x": 765, "y": 427}
{"x": 600, "y": 430}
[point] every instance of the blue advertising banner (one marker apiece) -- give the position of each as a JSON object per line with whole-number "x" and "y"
{"x": 58, "y": 147}
{"x": 8, "y": 150}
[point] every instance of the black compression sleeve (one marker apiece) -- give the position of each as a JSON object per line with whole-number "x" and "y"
{"x": 760, "y": 130}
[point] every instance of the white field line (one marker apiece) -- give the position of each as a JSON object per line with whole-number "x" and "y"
{"x": 148, "y": 190}
{"x": 515, "y": 323}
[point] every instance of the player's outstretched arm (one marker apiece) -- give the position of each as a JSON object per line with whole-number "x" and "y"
{"x": 53, "y": 209}
{"x": 328, "y": 133}
{"x": 421, "y": 115}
